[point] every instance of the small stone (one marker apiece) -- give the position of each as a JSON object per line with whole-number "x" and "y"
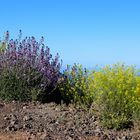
{"x": 97, "y": 132}
{"x": 11, "y": 128}
{"x": 69, "y": 138}
{"x": 124, "y": 138}
{"x": 18, "y": 126}
{"x": 29, "y": 126}
{"x": 29, "y": 138}
{"x": 24, "y": 107}
{"x": 1, "y": 105}
{"x": 40, "y": 107}
{"x": 14, "y": 109}
{"x": 33, "y": 133}
{"x": 44, "y": 130}
{"x": 86, "y": 132}
{"x": 56, "y": 109}
{"x": 13, "y": 117}
{"x": 6, "y": 118}
{"x": 27, "y": 118}
{"x": 104, "y": 137}
{"x": 44, "y": 137}
{"x": 40, "y": 116}
{"x": 13, "y": 122}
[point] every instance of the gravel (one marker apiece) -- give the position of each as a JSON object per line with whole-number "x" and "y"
{"x": 56, "y": 122}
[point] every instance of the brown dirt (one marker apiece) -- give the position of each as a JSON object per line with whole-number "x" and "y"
{"x": 35, "y": 121}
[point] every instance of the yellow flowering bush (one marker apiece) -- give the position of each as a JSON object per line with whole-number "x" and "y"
{"x": 116, "y": 88}
{"x": 136, "y": 103}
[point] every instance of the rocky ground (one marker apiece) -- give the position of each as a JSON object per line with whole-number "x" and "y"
{"x": 35, "y": 121}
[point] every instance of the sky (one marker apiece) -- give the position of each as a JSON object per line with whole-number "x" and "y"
{"x": 87, "y": 32}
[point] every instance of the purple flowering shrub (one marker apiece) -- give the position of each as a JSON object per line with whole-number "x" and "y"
{"x": 27, "y": 69}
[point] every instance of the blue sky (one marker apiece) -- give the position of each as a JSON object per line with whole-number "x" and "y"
{"x": 88, "y": 32}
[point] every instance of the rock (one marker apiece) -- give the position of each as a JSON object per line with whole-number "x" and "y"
{"x": 104, "y": 137}
{"x": 44, "y": 137}
{"x": 27, "y": 126}
{"x": 1, "y": 105}
{"x": 124, "y": 138}
{"x": 69, "y": 138}
{"x": 11, "y": 128}
{"x": 13, "y": 122}
{"x": 40, "y": 116}
{"x": 97, "y": 132}
{"x": 18, "y": 126}
{"x": 27, "y": 118}
{"x": 13, "y": 117}
{"x": 57, "y": 109}
{"x": 24, "y": 107}
{"x": 6, "y": 118}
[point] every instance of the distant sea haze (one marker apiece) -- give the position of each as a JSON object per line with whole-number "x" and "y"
{"x": 97, "y": 67}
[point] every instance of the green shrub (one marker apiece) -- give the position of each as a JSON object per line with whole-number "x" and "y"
{"x": 75, "y": 85}
{"x": 115, "y": 91}
{"x": 13, "y": 86}
{"x": 136, "y": 104}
